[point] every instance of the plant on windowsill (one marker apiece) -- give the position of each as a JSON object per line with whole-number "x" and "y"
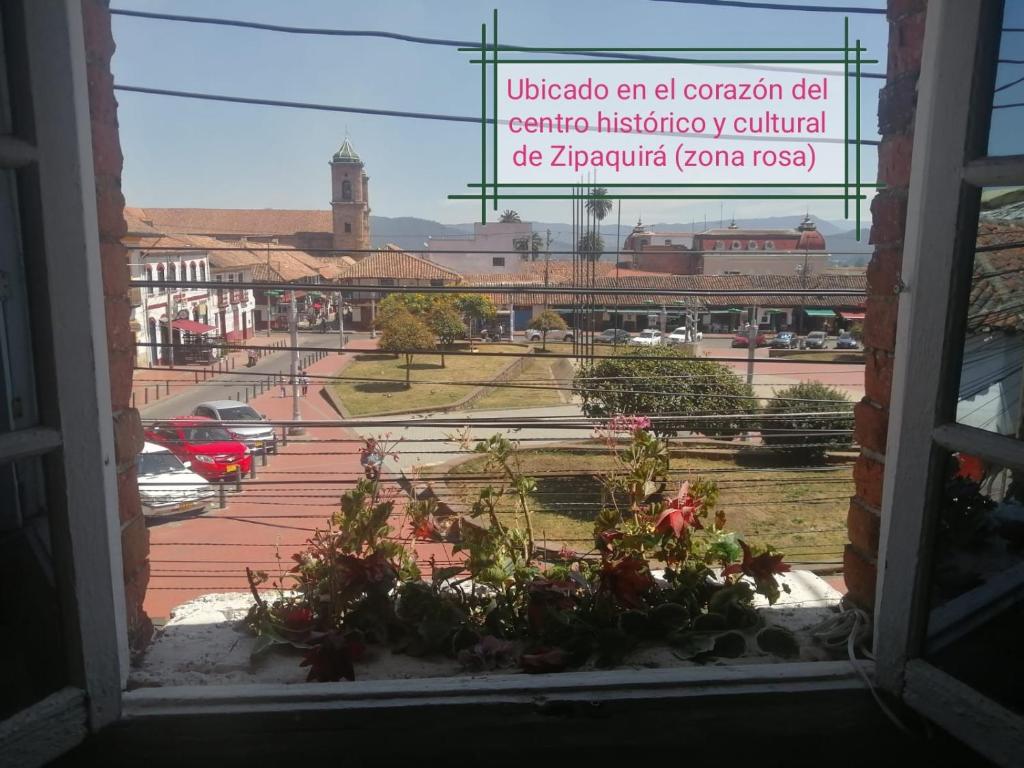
{"x": 503, "y": 606}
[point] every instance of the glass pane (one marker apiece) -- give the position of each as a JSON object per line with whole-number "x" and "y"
{"x": 1006, "y": 133}
{"x": 978, "y": 579}
{"x": 993, "y": 353}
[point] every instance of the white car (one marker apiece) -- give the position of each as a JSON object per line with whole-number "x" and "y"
{"x": 167, "y": 486}
{"x": 647, "y": 338}
{"x": 682, "y": 336}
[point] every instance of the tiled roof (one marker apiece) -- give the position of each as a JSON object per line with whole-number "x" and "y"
{"x": 392, "y": 263}
{"x": 558, "y": 272}
{"x": 232, "y": 221}
{"x": 998, "y": 281}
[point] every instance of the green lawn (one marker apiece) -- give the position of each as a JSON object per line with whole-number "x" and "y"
{"x": 802, "y": 513}
{"x": 430, "y": 385}
{"x": 537, "y": 374}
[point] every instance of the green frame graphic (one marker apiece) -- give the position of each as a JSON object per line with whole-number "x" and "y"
{"x": 492, "y": 190}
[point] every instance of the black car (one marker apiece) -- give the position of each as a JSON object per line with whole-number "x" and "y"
{"x": 612, "y": 336}
{"x": 784, "y": 340}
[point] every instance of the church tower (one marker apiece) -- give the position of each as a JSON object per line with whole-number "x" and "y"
{"x": 350, "y": 200}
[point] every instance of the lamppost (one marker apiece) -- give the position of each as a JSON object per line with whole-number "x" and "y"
{"x": 295, "y": 428}
{"x": 803, "y": 270}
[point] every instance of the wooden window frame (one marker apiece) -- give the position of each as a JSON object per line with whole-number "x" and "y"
{"x": 51, "y": 152}
{"x": 949, "y": 169}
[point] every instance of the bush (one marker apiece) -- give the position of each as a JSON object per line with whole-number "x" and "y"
{"x": 665, "y": 382}
{"x": 792, "y": 423}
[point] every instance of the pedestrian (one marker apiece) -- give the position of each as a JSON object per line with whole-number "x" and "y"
{"x": 252, "y": 358}
{"x": 501, "y": 332}
{"x": 281, "y": 381}
{"x": 304, "y": 382}
{"x": 323, "y": 324}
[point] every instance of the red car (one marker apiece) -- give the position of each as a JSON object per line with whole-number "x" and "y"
{"x": 213, "y": 452}
{"x": 740, "y": 340}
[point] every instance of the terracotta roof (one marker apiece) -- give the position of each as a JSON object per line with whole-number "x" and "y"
{"x": 392, "y": 263}
{"x": 998, "y": 280}
{"x": 233, "y": 221}
{"x": 558, "y": 272}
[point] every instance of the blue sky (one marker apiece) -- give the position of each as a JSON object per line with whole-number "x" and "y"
{"x": 204, "y": 154}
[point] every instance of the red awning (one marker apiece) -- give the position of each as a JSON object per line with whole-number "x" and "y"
{"x": 191, "y": 326}
{"x": 852, "y": 315}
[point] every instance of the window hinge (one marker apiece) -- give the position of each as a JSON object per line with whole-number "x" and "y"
{"x": 899, "y": 287}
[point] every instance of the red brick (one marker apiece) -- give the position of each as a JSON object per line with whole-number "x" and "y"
{"x": 128, "y": 496}
{"x": 880, "y": 322}
{"x": 870, "y": 426}
{"x": 110, "y": 209}
{"x": 906, "y": 40}
{"x": 128, "y": 436}
{"x": 878, "y": 376}
{"x": 867, "y": 481}
{"x": 884, "y": 271}
{"x": 96, "y": 22}
{"x": 898, "y": 8}
{"x": 888, "y": 217}
{"x": 863, "y": 524}
{"x": 894, "y": 154}
{"x": 896, "y": 104}
{"x": 114, "y": 262}
{"x": 134, "y": 544}
{"x": 861, "y": 574}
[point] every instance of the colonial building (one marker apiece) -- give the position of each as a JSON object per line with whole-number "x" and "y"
{"x": 730, "y": 250}
{"x": 346, "y": 226}
{"x": 498, "y": 248}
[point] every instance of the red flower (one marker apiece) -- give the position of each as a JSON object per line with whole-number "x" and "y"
{"x": 764, "y": 566}
{"x": 605, "y": 539}
{"x": 426, "y": 530}
{"x": 566, "y": 554}
{"x": 544, "y": 594}
{"x": 970, "y": 467}
{"x": 296, "y": 617}
{"x": 627, "y": 580}
{"x": 680, "y": 513}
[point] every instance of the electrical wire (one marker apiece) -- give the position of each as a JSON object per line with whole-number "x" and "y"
{"x": 751, "y": 4}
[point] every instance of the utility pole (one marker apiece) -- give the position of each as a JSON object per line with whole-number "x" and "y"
{"x": 295, "y": 429}
{"x": 341, "y": 320}
{"x": 751, "y": 349}
{"x": 547, "y": 261}
{"x": 171, "y": 309}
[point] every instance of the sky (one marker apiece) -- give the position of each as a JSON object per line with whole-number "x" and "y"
{"x": 184, "y": 153}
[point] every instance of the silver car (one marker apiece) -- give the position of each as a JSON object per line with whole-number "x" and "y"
{"x": 238, "y": 415}
{"x": 167, "y": 486}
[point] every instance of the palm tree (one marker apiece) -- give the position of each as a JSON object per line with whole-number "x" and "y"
{"x": 536, "y": 243}
{"x": 598, "y": 204}
{"x": 508, "y": 216}
{"x": 591, "y": 246}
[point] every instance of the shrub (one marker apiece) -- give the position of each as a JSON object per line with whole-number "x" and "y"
{"x": 405, "y": 334}
{"x": 807, "y": 420}
{"x": 678, "y": 392}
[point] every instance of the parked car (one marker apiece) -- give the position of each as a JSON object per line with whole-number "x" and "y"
{"x": 682, "y": 335}
{"x": 214, "y": 453}
{"x": 258, "y": 435}
{"x": 532, "y": 334}
{"x": 647, "y": 338}
{"x": 784, "y": 340}
{"x": 168, "y": 486}
{"x": 613, "y": 336}
{"x": 741, "y": 340}
{"x": 846, "y": 341}
{"x": 817, "y": 340}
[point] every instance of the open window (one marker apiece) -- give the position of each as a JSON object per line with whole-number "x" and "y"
{"x": 952, "y": 552}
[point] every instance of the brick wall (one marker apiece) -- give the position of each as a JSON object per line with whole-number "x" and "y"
{"x": 107, "y": 162}
{"x": 896, "y": 107}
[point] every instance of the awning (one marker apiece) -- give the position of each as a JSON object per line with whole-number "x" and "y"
{"x": 819, "y": 313}
{"x": 721, "y": 311}
{"x": 191, "y": 326}
{"x": 852, "y": 315}
{"x": 774, "y": 311}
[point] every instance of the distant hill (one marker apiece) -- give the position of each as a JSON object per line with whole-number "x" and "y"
{"x": 849, "y": 251}
{"x": 411, "y": 233}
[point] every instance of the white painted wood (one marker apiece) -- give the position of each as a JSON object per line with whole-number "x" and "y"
{"x": 86, "y": 529}
{"x": 929, "y": 256}
{"x": 44, "y": 731}
{"x": 966, "y": 612}
{"x": 995, "y": 171}
{"x": 15, "y": 152}
{"x": 990, "y": 729}
{"x": 28, "y": 442}
{"x": 799, "y": 677}
{"x": 999, "y": 449}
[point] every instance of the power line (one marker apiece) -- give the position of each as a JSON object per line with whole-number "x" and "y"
{"x": 407, "y": 38}
{"x": 778, "y": 6}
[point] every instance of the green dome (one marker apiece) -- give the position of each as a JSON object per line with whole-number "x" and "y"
{"x": 346, "y": 154}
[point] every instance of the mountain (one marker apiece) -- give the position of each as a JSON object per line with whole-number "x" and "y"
{"x": 411, "y": 233}
{"x": 847, "y": 250}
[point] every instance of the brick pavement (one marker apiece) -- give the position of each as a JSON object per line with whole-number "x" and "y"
{"x": 274, "y": 514}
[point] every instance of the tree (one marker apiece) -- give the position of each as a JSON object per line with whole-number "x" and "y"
{"x": 678, "y": 392}
{"x": 508, "y": 216}
{"x": 591, "y": 246}
{"x": 475, "y": 307}
{"x": 808, "y": 419}
{"x": 548, "y": 320}
{"x": 446, "y": 323}
{"x": 598, "y": 204}
{"x": 406, "y": 334}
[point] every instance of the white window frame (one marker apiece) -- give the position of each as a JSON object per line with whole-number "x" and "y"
{"x": 75, "y": 434}
{"x": 950, "y": 125}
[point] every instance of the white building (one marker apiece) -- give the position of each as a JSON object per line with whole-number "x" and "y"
{"x": 491, "y": 249}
